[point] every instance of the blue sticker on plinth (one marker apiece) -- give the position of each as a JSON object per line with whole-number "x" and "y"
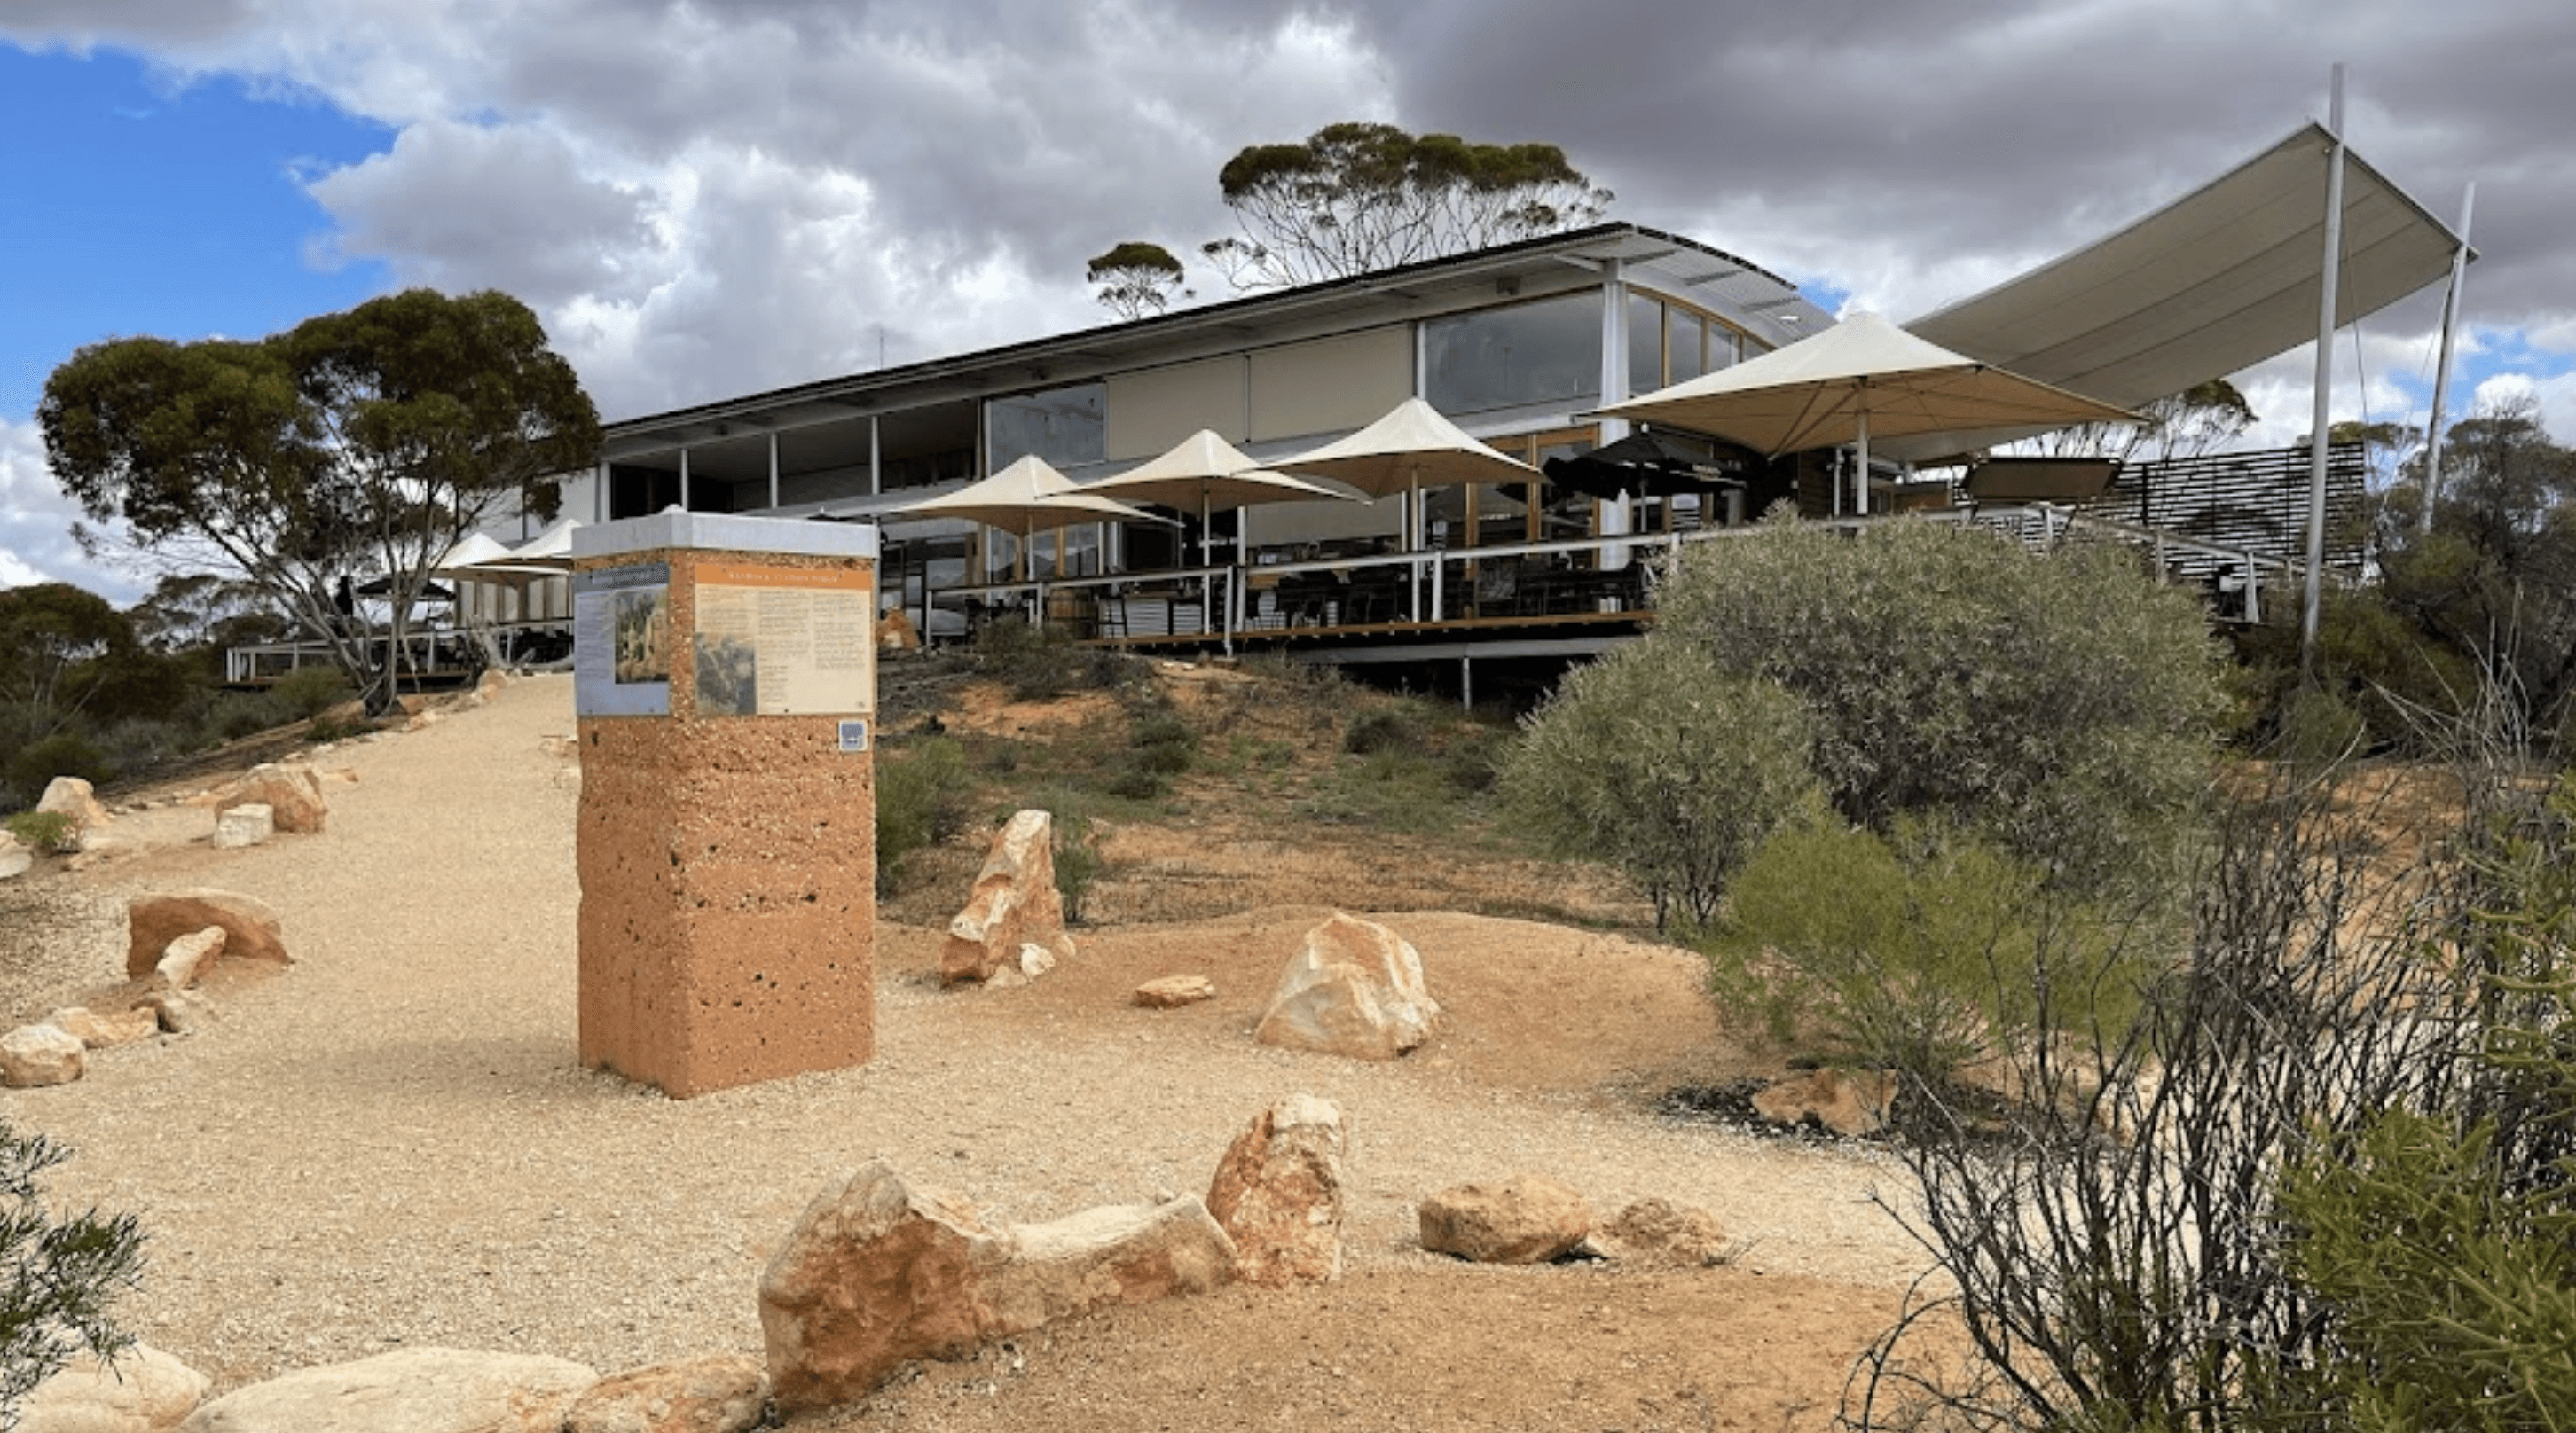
{"x": 854, "y": 736}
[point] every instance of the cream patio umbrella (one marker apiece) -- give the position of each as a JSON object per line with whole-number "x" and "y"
{"x": 1409, "y": 449}
{"x": 1206, "y": 472}
{"x": 1862, "y": 377}
{"x": 551, "y": 548}
{"x": 1024, "y": 499}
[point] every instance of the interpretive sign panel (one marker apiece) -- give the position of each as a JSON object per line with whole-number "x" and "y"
{"x": 621, "y": 662}
{"x": 784, "y": 641}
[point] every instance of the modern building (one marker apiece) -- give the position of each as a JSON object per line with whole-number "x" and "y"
{"x": 1519, "y": 345}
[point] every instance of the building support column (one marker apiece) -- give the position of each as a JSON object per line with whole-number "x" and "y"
{"x": 1612, "y": 517}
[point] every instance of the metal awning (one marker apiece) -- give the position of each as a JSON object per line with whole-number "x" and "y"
{"x": 2212, "y": 284}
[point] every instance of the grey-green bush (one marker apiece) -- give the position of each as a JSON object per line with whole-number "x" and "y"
{"x": 2065, "y": 704}
{"x": 1918, "y": 954}
{"x": 921, "y": 801}
{"x": 64, "y": 1271}
{"x": 1658, "y": 762}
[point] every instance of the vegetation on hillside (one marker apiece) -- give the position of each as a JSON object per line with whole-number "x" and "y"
{"x": 90, "y": 691}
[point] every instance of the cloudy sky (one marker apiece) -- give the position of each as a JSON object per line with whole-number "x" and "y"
{"x": 708, "y": 197}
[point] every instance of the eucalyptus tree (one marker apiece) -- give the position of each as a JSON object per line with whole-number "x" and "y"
{"x": 1136, "y": 278}
{"x": 355, "y": 445}
{"x": 1352, "y": 198}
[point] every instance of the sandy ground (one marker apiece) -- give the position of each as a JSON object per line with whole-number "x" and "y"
{"x": 393, "y": 1144}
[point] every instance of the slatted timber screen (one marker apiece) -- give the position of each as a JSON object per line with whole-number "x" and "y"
{"x": 2243, "y": 502}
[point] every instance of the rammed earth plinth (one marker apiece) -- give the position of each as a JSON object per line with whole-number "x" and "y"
{"x": 727, "y": 849}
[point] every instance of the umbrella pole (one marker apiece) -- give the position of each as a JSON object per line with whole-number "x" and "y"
{"x": 1860, "y": 497}
{"x": 1413, "y": 515}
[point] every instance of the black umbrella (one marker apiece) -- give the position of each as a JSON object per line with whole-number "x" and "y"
{"x": 1653, "y": 464}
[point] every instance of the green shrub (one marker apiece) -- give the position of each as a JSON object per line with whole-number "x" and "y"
{"x": 2316, "y": 728}
{"x": 922, "y": 791}
{"x": 1165, "y": 745}
{"x": 1078, "y": 862}
{"x": 2443, "y": 1240}
{"x": 307, "y": 692}
{"x": 1041, "y": 663}
{"x": 50, "y": 832}
{"x": 63, "y": 1272}
{"x": 2064, "y": 704}
{"x": 235, "y": 715}
{"x": 2393, "y": 681}
{"x": 1656, "y": 761}
{"x": 1390, "y": 728}
{"x": 62, "y": 754}
{"x": 1135, "y": 783}
{"x": 1919, "y": 954}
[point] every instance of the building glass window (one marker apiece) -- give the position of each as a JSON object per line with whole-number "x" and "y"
{"x": 1645, "y": 344}
{"x": 1685, "y": 340}
{"x": 1543, "y": 353}
{"x": 1064, "y": 426}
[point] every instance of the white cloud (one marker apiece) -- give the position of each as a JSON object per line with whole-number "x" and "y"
{"x": 704, "y": 198}
{"x": 36, "y": 524}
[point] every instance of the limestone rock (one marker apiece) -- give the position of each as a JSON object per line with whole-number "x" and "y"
{"x": 873, "y": 1275}
{"x": 1527, "y": 1219}
{"x": 1354, "y": 989}
{"x": 144, "y": 1391}
{"x": 1278, "y": 1194}
{"x": 246, "y": 825}
{"x": 152, "y": 922}
{"x": 101, "y": 1032}
{"x": 181, "y": 1012}
{"x": 292, "y": 793}
{"x": 1847, "y": 1103}
{"x": 417, "y": 1390}
{"x": 1171, "y": 992}
{"x": 1118, "y": 1254}
{"x": 184, "y": 959}
{"x": 877, "y": 1273}
{"x": 1658, "y": 1232}
{"x": 723, "y": 1393}
{"x": 15, "y": 858}
{"x": 97, "y": 848}
{"x": 70, "y": 796}
{"x": 1015, "y": 905}
{"x": 33, "y": 1056}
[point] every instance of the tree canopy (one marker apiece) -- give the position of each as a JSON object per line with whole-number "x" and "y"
{"x": 1352, "y": 197}
{"x": 1135, "y": 278}
{"x": 355, "y": 445}
{"x": 2198, "y": 420}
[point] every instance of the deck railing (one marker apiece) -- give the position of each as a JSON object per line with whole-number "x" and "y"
{"x": 1572, "y": 581}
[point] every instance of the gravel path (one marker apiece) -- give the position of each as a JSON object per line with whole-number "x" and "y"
{"x": 392, "y": 1144}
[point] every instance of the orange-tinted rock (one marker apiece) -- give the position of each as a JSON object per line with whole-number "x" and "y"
{"x": 292, "y": 794}
{"x": 71, "y": 797}
{"x": 1847, "y": 1103}
{"x": 1278, "y": 1194}
{"x": 1658, "y": 1232}
{"x": 1354, "y": 989}
{"x": 877, "y": 1273}
{"x": 722, "y": 1393}
{"x": 1171, "y": 992}
{"x": 1014, "y": 921}
{"x": 250, "y": 927}
{"x": 1527, "y": 1219}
